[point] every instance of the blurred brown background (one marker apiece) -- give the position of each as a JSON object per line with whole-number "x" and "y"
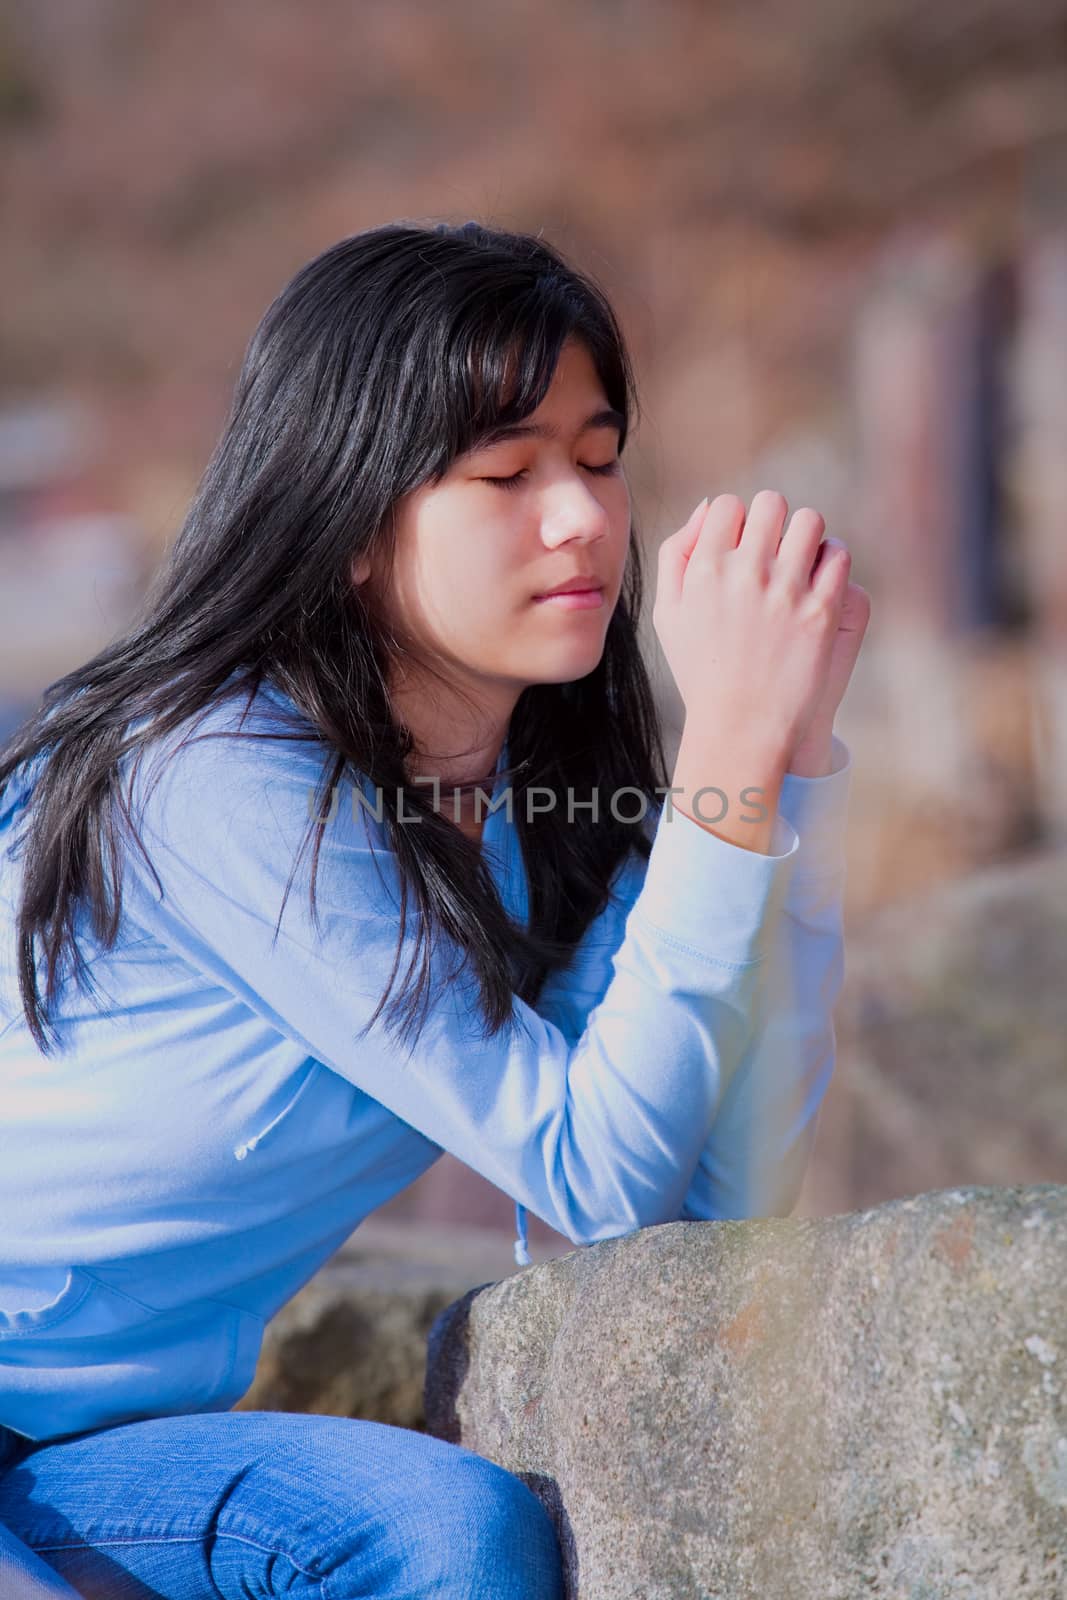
{"x": 837, "y": 239}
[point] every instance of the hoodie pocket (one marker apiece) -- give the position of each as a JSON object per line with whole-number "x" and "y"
{"x": 77, "y": 1353}
{"x": 35, "y": 1300}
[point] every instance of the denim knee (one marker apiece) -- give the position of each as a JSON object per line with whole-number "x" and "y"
{"x": 359, "y": 1508}
{"x": 484, "y": 1535}
{"x": 513, "y": 1540}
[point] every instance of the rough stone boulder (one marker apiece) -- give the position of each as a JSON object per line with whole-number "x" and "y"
{"x": 814, "y": 1408}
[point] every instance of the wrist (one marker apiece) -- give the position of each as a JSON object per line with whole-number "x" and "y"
{"x": 724, "y": 776}
{"x": 813, "y": 756}
{"x": 751, "y": 744}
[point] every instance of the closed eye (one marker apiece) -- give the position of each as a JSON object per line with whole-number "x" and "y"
{"x": 604, "y": 471}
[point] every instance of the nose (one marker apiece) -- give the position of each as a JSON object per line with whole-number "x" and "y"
{"x": 576, "y": 513}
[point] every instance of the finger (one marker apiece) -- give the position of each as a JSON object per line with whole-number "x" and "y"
{"x": 833, "y": 562}
{"x": 723, "y": 524}
{"x": 800, "y": 546}
{"x": 675, "y": 551}
{"x": 763, "y": 526}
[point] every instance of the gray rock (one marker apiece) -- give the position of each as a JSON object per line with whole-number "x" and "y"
{"x": 811, "y": 1408}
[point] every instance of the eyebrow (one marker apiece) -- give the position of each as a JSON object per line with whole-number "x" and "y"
{"x": 608, "y": 417}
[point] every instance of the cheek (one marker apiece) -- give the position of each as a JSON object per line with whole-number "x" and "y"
{"x": 469, "y": 596}
{"x": 478, "y": 566}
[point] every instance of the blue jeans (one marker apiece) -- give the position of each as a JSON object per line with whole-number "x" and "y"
{"x": 259, "y": 1504}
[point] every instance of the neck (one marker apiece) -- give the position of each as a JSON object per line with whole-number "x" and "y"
{"x": 451, "y": 744}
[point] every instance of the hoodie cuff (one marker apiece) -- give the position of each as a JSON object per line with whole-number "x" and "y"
{"x": 817, "y": 810}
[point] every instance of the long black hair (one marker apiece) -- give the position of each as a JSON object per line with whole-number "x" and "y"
{"x": 386, "y": 356}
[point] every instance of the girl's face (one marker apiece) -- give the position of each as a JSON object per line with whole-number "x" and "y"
{"x": 472, "y": 554}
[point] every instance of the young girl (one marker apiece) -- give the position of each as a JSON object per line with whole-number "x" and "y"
{"x": 350, "y": 688}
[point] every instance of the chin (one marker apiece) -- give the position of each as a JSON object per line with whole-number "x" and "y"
{"x": 566, "y": 666}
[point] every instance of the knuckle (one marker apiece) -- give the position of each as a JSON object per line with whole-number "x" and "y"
{"x": 753, "y": 567}
{"x": 820, "y": 609}
{"x": 782, "y": 597}
{"x": 707, "y": 558}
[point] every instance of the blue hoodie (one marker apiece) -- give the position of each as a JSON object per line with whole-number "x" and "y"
{"x": 217, "y": 1122}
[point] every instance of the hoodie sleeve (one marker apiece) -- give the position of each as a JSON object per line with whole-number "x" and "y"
{"x": 597, "y": 1131}
{"x": 755, "y": 1160}
{"x": 756, "y": 1154}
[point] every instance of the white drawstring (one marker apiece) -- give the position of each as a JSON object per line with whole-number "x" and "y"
{"x": 241, "y": 1150}
{"x": 522, "y": 1254}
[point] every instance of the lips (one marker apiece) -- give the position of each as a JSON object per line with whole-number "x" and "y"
{"x": 572, "y": 600}
{"x": 572, "y": 586}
